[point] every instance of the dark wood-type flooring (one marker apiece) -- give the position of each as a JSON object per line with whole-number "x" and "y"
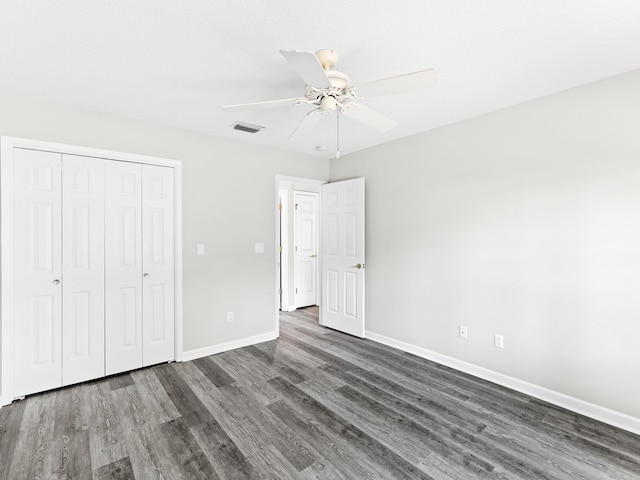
{"x": 312, "y": 404}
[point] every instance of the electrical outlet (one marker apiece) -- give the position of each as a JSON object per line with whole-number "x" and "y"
{"x": 463, "y": 332}
{"x": 230, "y": 317}
{"x": 498, "y": 341}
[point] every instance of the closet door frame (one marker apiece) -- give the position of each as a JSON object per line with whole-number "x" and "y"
{"x": 7, "y": 145}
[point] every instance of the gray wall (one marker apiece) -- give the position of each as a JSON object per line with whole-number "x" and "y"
{"x": 524, "y": 222}
{"x": 228, "y": 205}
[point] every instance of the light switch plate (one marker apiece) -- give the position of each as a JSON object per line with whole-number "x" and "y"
{"x": 200, "y": 249}
{"x": 259, "y": 247}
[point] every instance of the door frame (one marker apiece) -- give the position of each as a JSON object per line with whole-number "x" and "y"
{"x": 7, "y": 144}
{"x": 282, "y": 244}
{"x": 279, "y": 180}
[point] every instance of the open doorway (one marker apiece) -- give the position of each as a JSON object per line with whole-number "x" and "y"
{"x": 338, "y": 277}
{"x": 297, "y": 233}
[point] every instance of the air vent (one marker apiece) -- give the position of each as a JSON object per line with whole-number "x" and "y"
{"x": 246, "y": 127}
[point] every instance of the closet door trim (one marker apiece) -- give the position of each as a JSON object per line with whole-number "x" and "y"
{"x": 7, "y": 145}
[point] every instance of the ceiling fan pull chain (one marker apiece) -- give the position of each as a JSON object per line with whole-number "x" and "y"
{"x": 337, "y": 133}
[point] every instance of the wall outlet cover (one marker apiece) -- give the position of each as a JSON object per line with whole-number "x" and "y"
{"x": 463, "y": 332}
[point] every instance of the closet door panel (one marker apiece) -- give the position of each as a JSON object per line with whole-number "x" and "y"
{"x": 123, "y": 266}
{"x": 83, "y": 268}
{"x": 37, "y": 273}
{"x": 158, "y": 264}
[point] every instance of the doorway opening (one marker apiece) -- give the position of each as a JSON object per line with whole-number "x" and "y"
{"x": 298, "y": 250}
{"x": 329, "y": 218}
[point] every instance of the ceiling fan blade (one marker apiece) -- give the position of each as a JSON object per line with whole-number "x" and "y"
{"x": 411, "y": 82}
{"x": 310, "y": 120}
{"x": 270, "y": 104}
{"x": 307, "y": 65}
{"x": 369, "y": 117}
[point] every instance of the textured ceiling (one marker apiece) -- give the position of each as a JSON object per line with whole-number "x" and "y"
{"x": 177, "y": 62}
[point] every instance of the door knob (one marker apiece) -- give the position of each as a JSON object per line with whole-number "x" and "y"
{"x": 146, "y": 275}
{"x": 56, "y": 281}
{"x": 357, "y": 265}
{"x": 313, "y": 256}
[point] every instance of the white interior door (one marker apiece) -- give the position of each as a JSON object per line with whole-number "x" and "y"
{"x": 37, "y": 280}
{"x": 305, "y": 249}
{"x": 158, "y": 264}
{"x": 342, "y": 306}
{"x": 82, "y": 268}
{"x": 123, "y": 266}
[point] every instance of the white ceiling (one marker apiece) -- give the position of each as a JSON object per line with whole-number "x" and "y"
{"x": 176, "y": 62}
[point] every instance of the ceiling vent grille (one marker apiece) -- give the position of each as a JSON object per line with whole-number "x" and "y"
{"x": 246, "y": 127}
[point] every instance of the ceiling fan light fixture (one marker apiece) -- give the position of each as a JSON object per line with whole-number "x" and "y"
{"x": 328, "y": 103}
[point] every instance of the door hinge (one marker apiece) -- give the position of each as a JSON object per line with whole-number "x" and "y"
{"x": 280, "y": 206}
{"x": 279, "y": 291}
{"x": 297, "y": 206}
{"x": 280, "y": 248}
{"x": 296, "y": 290}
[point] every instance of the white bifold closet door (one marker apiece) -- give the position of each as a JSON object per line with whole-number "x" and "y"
{"x": 158, "y": 297}
{"x": 82, "y": 268}
{"x": 93, "y": 243}
{"x": 37, "y": 242}
{"x": 139, "y": 286}
{"x": 59, "y": 274}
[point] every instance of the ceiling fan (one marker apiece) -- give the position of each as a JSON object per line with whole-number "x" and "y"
{"x": 331, "y": 90}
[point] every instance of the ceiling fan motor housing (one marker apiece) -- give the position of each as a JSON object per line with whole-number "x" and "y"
{"x": 338, "y": 79}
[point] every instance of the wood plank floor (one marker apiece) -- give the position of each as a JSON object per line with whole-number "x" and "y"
{"x": 312, "y": 404}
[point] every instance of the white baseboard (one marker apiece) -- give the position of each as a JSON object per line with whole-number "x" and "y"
{"x": 289, "y": 308}
{"x": 602, "y": 414}
{"x": 224, "y": 347}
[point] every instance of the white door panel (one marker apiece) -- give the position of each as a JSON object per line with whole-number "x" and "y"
{"x": 83, "y": 268}
{"x": 343, "y": 256}
{"x": 158, "y": 264}
{"x": 306, "y": 249}
{"x": 123, "y": 266}
{"x": 37, "y": 280}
